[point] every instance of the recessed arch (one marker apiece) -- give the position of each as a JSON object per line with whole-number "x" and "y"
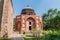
{"x": 30, "y": 23}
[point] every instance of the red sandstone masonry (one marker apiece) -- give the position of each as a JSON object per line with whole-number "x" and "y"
{"x": 20, "y": 23}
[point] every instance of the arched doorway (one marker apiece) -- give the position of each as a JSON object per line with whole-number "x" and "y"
{"x": 30, "y": 24}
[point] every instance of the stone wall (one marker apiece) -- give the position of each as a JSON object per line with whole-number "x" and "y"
{"x": 7, "y": 19}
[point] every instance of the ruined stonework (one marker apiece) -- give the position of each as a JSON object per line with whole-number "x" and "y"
{"x": 28, "y": 21}
{"x": 6, "y": 27}
{"x": 22, "y": 23}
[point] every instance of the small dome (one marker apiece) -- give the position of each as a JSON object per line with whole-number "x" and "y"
{"x": 28, "y": 7}
{"x": 28, "y": 10}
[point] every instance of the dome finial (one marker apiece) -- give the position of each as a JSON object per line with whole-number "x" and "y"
{"x": 27, "y": 5}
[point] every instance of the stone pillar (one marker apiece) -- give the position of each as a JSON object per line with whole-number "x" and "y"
{"x": 7, "y": 19}
{"x": 37, "y": 23}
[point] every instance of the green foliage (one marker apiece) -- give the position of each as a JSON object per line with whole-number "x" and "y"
{"x": 51, "y": 35}
{"x": 4, "y": 39}
{"x": 35, "y": 32}
{"x": 51, "y": 19}
{"x": 14, "y": 25}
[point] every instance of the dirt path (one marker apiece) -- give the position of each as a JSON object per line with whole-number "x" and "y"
{"x": 17, "y": 38}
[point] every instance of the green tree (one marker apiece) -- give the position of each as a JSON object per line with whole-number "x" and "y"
{"x": 51, "y": 20}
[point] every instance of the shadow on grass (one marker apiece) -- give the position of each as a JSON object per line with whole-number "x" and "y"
{"x": 4, "y": 39}
{"x": 14, "y": 38}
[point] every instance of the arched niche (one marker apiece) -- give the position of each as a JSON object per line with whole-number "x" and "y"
{"x": 30, "y": 23}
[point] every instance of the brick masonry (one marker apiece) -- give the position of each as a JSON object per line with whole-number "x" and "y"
{"x": 22, "y": 26}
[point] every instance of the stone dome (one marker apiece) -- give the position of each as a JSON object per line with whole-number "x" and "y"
{"x": 28, "y": 10}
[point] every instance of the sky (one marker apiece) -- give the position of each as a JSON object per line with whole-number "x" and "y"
{"x": 40, "y": 6}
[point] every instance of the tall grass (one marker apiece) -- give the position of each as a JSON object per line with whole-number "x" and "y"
{"x": 52, "y": 35}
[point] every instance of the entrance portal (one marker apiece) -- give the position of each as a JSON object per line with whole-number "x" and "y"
{"x": 30, "y": 24}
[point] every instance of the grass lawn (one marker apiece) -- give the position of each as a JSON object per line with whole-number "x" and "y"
{"x": 4, "y": 39}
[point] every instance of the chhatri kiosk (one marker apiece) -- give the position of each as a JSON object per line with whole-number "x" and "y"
{"x": 27, "y": 21}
